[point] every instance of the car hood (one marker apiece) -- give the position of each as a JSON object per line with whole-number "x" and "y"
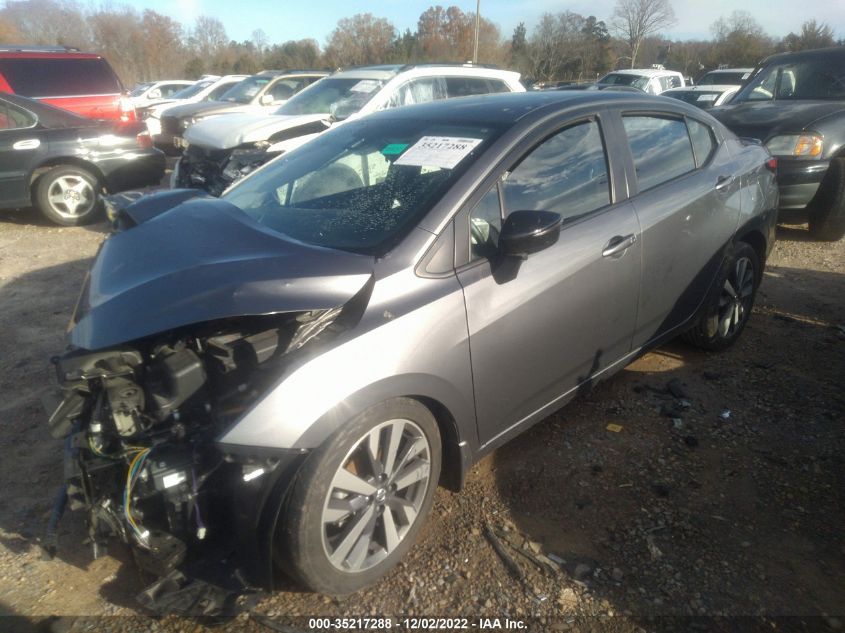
{"x": 206, "y": 108}
{"x": 763, "y": 120}
{"x": 705, "y": 88}
{"x": 200, "y": 261}
{"x": 237, "y": 129}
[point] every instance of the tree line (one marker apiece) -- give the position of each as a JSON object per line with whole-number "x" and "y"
{"x": 146, "y": 45}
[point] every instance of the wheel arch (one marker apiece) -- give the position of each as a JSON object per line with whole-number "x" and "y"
{"x": 455, "y": 418}
{"x": 70, "y": 161}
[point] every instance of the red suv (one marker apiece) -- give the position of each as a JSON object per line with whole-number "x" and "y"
{"x": 83, "y": 83}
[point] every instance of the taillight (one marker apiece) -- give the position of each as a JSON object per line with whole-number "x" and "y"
{"x": 772, "y": 165}
{"x": 127, "y": 110}
{"x": 144, "y": 140}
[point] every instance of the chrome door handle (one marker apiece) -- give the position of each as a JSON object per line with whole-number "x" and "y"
{"x": 723, "y": 182}
{"x": 30, "y": 143}
{"x": 618, "y": 245}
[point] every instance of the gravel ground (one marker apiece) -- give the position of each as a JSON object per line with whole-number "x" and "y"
{"x": 720, "y": 495}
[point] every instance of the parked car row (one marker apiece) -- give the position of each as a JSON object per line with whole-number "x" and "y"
{"x": 351, "y": 299}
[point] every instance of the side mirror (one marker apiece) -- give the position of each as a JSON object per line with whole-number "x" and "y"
{"x": 266, "y": 99}
{"x": 528, "y": 232}
{"x": 154, "y": 94}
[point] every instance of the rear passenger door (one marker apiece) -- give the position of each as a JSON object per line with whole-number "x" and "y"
{"x": 20, "y": 149}
{"x": 541, "y": 327}
{"x": 687, "y": 200}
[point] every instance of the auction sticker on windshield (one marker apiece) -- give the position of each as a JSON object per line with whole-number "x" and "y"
{"x": 438, "y": 151}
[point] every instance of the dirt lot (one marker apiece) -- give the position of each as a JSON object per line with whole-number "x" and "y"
{"x": 724, "y": 499}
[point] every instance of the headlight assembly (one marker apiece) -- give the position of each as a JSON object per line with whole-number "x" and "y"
{"x": 797, "y": 145}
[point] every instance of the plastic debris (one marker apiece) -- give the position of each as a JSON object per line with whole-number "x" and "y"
{"x": 677, "y": 424}
{"x": 510, "y": 564}
{"x": 555, "y": 558}
{"x": 614, "y": 428}
{"x": 726, "y": 414}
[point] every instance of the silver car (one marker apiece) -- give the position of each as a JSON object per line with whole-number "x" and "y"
{"x": 286, "y": 373}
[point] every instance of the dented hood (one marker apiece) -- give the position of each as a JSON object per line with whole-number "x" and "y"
{"x": 238, "y": 129}
{"x": 200, "y": 261}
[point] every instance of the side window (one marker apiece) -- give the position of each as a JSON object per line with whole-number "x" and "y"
{"x": 466, "y": 86}
{"x": 567, "y": 174}
{"x": 12, "y": 118}
{"x": 497, "y": 85}
{"x": 420, "y": 90}
{"x": 169, "y": 89}
{"x": 661, "y": 148}
{"x": 485, "y": 223}
{"x": 217, "y": 92}
{"x": 703, "y": 141}
{"x": 283, "y": 90}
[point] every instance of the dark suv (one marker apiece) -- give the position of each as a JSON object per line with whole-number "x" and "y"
{"x": 795, "y": 105}
{"x": 83, "y": 83}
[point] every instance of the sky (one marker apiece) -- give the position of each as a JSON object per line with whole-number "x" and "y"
{"x": 285, "y": 20}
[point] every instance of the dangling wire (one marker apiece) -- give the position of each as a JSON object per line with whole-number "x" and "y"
{"x": 136, "y": 465}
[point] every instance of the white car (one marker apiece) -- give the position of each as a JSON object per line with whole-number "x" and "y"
{"x": 714, "y": 89}
{"x": 649, "y": 80}
{"x": 155, "y": 91}
{"x": 205, "y": 89}
{"x": 223, "y": 150}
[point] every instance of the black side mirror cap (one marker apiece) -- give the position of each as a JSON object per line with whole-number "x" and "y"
{"x": 528, "y": 232}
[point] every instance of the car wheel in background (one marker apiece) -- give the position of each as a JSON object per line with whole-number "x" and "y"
{"x": 827, "y": 210}
{"x": 67, "y": 195}
{"x": 359, "y": 501}
{"x": 728, "y": 308}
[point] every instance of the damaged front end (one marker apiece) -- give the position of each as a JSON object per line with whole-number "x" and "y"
{"x": 213, "y": 170}
{"x": 142, "y": 460}
{"x": 170, "y": 348}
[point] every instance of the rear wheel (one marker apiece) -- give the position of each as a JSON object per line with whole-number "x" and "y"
{"x": 728, "y": 308}
{"x": 827, "y": 212}
{"x": 67, "y": 195}
{"x": 360, "y": 500}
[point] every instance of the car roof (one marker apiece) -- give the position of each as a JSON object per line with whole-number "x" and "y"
{"x": 816, "y": 53}
{"x": 23, "y": 53}
{"x": 511, "y": 107}
{"x": 643, "y": 72}
{"x": 50, "y": 116}
{"x": 388, "y": 71}
{"x": 728, "y": 70}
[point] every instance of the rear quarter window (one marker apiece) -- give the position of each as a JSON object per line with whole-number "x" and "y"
{"x": 60, "y": 77}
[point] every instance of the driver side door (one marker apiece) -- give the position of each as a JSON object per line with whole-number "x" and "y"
{"x": 541, "y": 328}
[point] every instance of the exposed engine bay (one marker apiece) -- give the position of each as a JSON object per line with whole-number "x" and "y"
{"x": 141, "y": 422}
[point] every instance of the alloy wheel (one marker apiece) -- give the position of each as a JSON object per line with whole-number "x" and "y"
{"x": 71, "y": 196}
{"x": 736, "y": 298}
{"x": 375, "y": 495}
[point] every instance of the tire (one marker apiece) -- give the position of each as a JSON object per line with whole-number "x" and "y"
{"x": 67, "y": 195}
{"x": 340, "y": 531}
{"x": 727, "y": 310}
{"x": 827, "y": 209}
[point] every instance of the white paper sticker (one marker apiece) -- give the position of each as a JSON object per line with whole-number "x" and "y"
{"x": 706, "y": 97}
{"x": 438, "y": 151}
{"x": 365, "y": 85}
{"x": 173, "y": 479}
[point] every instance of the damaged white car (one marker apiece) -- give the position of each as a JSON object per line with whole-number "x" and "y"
{"x": 221, "y": 152}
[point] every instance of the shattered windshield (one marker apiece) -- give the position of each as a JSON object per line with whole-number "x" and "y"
{"x": 816, "y": 79}
{"x": 361, "y": 186}
{"x": 245, "y": 91}
{"x": 616, "y": 79}
{"x": 191, "y": 90}
{"x": 333, "y": 95}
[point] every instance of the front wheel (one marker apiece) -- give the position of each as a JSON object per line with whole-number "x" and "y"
{"x": 727, "y": 310}
{"x": 67, "y": 195}
{"x": 360, "y": 500}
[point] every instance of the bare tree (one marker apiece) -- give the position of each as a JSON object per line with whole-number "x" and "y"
{"x": 740, "y": 40}
{"x": 361, "y": 39}
{"x": 813, "y": 35}
{"x": 635, "y": 20}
